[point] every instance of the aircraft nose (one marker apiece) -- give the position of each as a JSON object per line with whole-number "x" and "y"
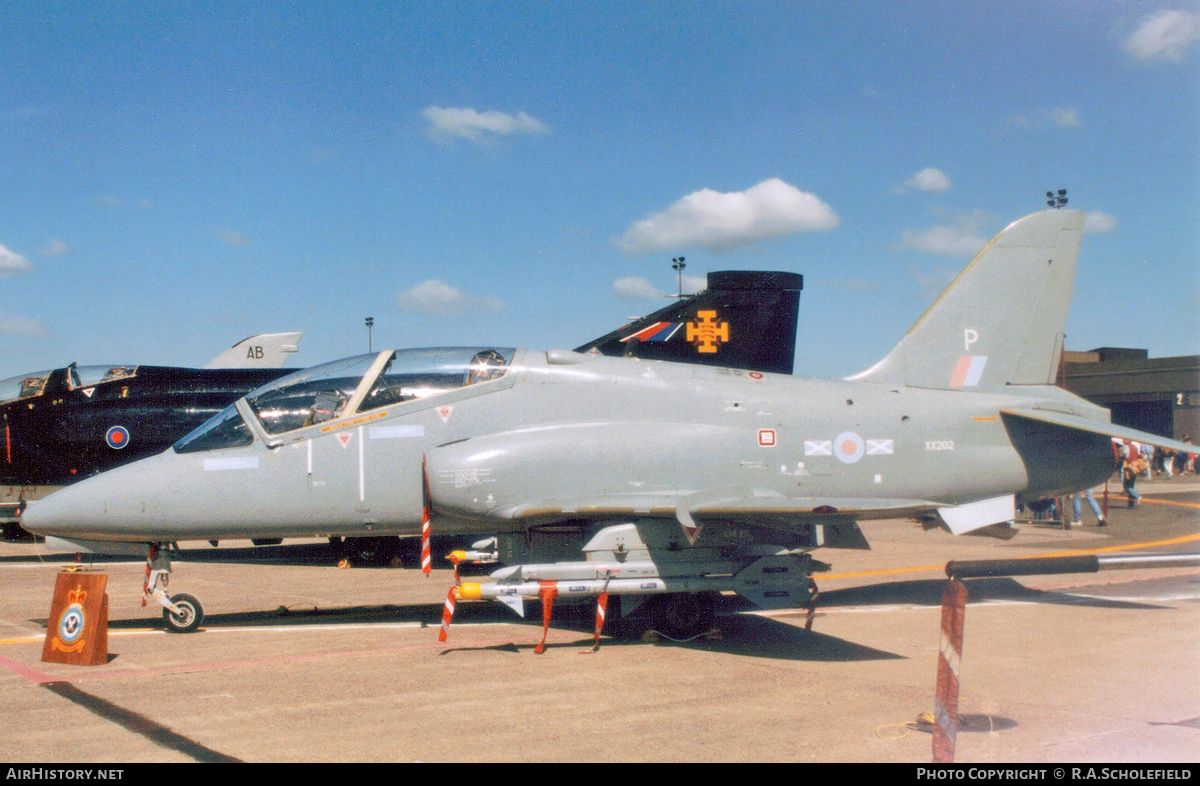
{"x": 66, "y": 512}
{"x": 94, "y": 508}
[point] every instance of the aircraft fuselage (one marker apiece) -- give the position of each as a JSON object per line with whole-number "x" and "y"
{"x": 549, "y": 441}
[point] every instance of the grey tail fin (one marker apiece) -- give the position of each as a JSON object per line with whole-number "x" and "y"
{"x": 1001, "y": 321}
{"x": 266, "y": 350}
{"x": 744, "y": 319}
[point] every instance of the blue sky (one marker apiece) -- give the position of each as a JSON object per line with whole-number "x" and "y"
{"x": 175, "y": 177}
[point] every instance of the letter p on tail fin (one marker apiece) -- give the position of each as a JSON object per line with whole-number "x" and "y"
{"x": 1001, "y": 321}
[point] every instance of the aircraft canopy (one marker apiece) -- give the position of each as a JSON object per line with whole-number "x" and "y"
{"x": 349, "y": 386}
{"x": 31, "y": 385}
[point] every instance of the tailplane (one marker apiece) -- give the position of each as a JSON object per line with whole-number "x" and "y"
{"x": 744, "y": 319}
{"x": 1001, "y": 321}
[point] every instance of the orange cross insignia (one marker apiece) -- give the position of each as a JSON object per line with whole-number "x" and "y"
{"x": 707, "y": 333}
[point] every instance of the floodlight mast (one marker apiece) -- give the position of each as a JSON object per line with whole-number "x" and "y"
{"x": 678, "y": 265}
{"x": 370, "y": 324}
{"x": 1057, "y": 201}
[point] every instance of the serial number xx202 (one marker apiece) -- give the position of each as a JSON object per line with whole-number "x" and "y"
{"x": 939, "y": 444}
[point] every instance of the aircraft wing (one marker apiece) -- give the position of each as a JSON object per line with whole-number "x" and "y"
{"x": 266, "y": 350}
{"x": 749, "y": 507}
{"x": 693, "y": 510}
{"x": 1097, "y": 427}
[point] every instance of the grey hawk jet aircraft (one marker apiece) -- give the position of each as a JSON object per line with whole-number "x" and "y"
{"x": 660, "y": 482}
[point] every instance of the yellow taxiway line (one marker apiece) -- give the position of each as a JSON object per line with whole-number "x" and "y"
{"x": 926, "y": 568}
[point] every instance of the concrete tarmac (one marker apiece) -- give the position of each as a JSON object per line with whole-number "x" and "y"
{"x": 309, "y": 662}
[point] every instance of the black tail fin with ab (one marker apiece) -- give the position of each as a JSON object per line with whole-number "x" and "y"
{"x": 745, "y": 319}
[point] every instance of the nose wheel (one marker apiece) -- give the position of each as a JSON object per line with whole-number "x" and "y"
{"x": 189, "y": 616}
{"x": 182, "y": 613}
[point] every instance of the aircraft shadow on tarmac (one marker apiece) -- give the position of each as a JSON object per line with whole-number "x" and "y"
{"x": 756, "y": 636}
{"x": 746, "y": 635}
{"x": 319, "y": 554}
{"x": 928, "y": 592}
{"x": 301, "y": 554}
{"x": 425, "y": 614}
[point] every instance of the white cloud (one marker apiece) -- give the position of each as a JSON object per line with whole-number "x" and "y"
{"x": 1166, "y": 35}
{"x": 233, "y": 238}
{"x": 636, "y": 288}
{"x": 960, "y": 240}
{"x": 932, "y": 281}
{"x": 724, "y": 221}
{"x": 108, "y": 202}
{"x": 441, "y": 299}
{"x": 930, "y": 179}
{"x": 1098, "y": 223}
{"x": 1064, "y": 117}
{"x": 12, "y": 263}
{"x": 946, "y": 241}
{"x": 20, "y": 326}
{"x": 28, "y": 113}
{"x": 54, "y": 248}
{"x": 1058, "y": 117}
{"x": 452, "y": 122}
{"x": 693, "y": 284}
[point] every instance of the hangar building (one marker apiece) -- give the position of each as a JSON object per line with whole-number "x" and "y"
{"x": 1159, "y": 395}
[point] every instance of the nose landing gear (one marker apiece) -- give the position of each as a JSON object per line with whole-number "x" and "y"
{"x": 182, "y": 613}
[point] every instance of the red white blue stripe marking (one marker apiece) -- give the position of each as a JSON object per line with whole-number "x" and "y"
{"x": 659, "y": 331}
{"x": 968, "y": 371}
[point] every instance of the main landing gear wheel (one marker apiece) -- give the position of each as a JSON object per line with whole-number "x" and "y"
{"x": 190, "y": 616}
{"x": 683, "y": 615}
{"x": 375, "y": 551}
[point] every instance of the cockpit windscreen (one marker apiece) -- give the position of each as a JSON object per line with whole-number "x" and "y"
{"x": 326, "y": 392}
{"x": 420, "y": 373}
{"x": 226, "y": 429}
{"x": 309, "y": 397}
{"x": 24, "y": 386}
{"x": 345, "y": 387}
{"x": 86, "y": 376}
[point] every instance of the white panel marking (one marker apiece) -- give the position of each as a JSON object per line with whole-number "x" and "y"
{"x": 396, "y": 432}
{"x": 216, "y": 465}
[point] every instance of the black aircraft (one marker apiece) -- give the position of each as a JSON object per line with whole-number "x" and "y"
{"x": 65, "y": 425}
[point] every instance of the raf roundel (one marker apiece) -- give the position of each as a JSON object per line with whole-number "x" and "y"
{"x": 117, "y": 437}
{"x": 848, "y": 447}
